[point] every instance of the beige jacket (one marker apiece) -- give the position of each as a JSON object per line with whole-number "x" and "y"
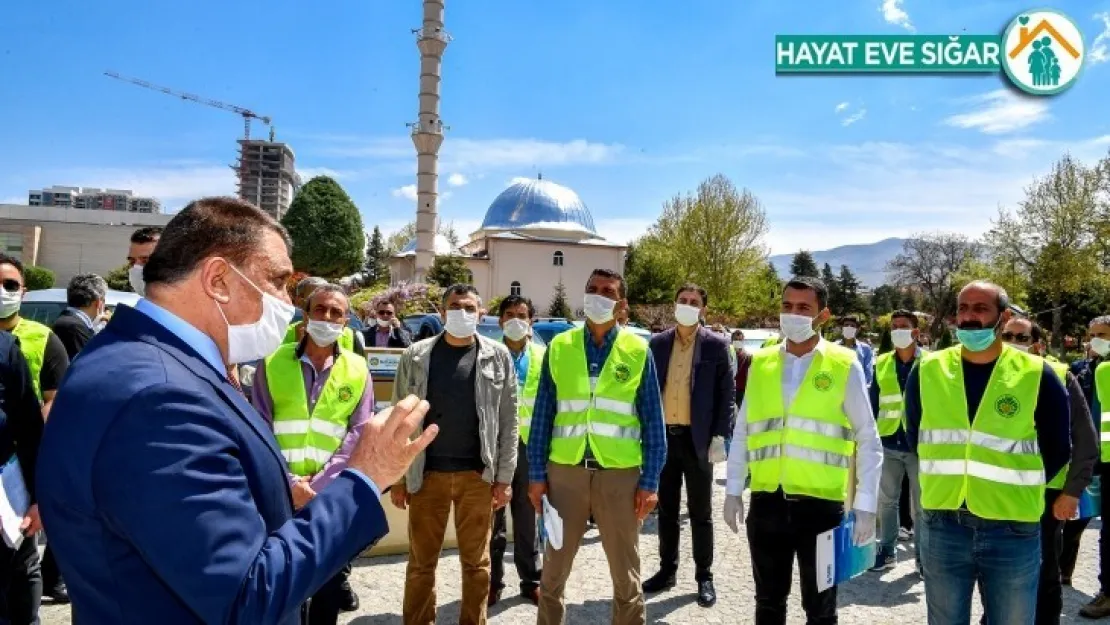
{"x": 495, "y": 393}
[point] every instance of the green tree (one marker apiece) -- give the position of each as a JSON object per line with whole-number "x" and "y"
{"x": 1054, "y": 232}
{"x": 886, "y": 344}
{"x": 326, "y": 228}
{"x": 761, "y": 297}
{"x": 448, "y": 270}
{"x": 377, "y": 259}
{"x": 650, "y": 277}
{"x": 118, "y": 279}
{"x": 35, "y": 278}
{"x": 884, "y": 299}
{"x": 929, "y": 263}
{"x": 1078, "y": 309}
{"x": 804, "y": 265}
{"x": 848, "y": 287}
{"x": 836, "y": 300}
{"x": 559, "y": 306}
{"x": 946, "y": 339}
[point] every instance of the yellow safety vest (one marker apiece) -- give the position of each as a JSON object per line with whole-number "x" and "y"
{"x": 1102, "y": 392}
{"x": 805, "y": 449}
{"x": 605, "y": 416}
{"x": 526, "y": 398}
{"x": 32, "y": 337}
{"x": 890, "y": 414}
{"x": 993, "y": 465}
{"x": 346, "y": 340}
{"x": 1061, "y": 371}
{"x": 308, "y": 439}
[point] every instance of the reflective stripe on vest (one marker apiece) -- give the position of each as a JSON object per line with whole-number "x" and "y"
{"x": 889, "y": 419}
{"x": 308, "y": 440}
{"x": 1061, "y": 371}
{"x": 991, "y": 465}
{"x": 32, "y": 337}
{"x": 1102, "y": 392}
{"x": 526, "y": 399}
{"x": 805, "y": 449}
{"x": 346, "y": 340}
{"x": 605, "y": 418}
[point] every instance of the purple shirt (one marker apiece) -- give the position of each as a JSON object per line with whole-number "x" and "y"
{"x": 381, "y": 337}
{"x": 314, "y": 384}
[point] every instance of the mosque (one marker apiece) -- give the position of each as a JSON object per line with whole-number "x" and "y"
{"x": 535, "y": 234}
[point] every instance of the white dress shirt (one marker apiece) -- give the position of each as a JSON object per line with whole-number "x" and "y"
{"x": 857, "y": 406}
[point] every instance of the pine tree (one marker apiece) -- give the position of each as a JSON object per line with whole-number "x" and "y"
{"x": 836, "y": 297}
{"x": 886, "y": 344}
{"x": 848, "y": 286}
{"x": 326, "y": 228}
{"x": 377, "y": 259}
{"x": 803, "y": 265}
{"x": 559, "y": 306}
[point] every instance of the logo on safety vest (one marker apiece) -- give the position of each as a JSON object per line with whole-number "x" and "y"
{"x": 345, "y": 393}
{"x": 822, "y": 381}
{"x": 1007, "y": 406}
{"x": 622, "y": 373}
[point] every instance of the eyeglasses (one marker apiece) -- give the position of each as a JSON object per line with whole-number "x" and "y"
{"x": 385, "y": 313}
{"x": 11, "y": 285}
{"x": 1010, "y": 337}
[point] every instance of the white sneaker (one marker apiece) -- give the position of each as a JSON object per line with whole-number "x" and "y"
{"x": 904, "y": 534}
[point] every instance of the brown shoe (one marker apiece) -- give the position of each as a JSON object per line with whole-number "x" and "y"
{"x": 1099, "y": 607}
{"x": 494, "y": 596}
{"x": 532, "y": 595}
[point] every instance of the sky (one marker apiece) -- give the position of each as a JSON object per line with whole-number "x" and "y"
{"x": 628, "y": 103}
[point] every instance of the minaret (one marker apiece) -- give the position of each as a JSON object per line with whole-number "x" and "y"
{"x": 427, "y": 133}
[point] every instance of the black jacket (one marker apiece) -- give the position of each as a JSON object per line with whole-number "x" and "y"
{"x": 398, "y": 337}
{"x": 20, "y": 412}
{"x": 72, "y": 330}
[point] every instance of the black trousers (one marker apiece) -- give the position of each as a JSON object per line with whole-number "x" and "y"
{"x": 51, "y": 576}
{"x": 905, "y": 515}
{"x": 1104, "y": 535}
{"x": 1050, "y": 599}
{"x": 20, "y": 584}
{"x": 1069, "y": 553}
{"x": 324, "y": 607}
{"x": 526, "y": 551}
{"x": 684, "y": 463}
{"x": 780, "y": 529}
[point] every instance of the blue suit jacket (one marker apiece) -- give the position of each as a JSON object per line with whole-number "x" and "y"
{"x": 165, "y": 494}
{"x": 712, "y": 386}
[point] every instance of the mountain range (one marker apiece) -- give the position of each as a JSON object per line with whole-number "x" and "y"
{"x": 868, "y": 261}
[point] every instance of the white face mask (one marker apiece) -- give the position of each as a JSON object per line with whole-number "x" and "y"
{"x": 901, "y": 338}
{"x": 687, "y": 315}
{"x": 10, "y": 301}
{"x": 461, "y": 324}
{"x": 1021, "y": 348}
{"x": 323, "y": 333}
{"x": 849, "y": 332}
{"x": 1100, "y": 346}
{"x": 384, "y": 323}
{"x": 738, "y": 344}
{"x": 135, "y": 277}
{"x": 254, "y": 341}
{"x": 796, "y": 328}
{"x": 516, "y": 329}
{"x": 598, "y": 308}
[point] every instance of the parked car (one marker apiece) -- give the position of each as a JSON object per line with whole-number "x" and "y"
{"x": 489, "y": 327}
{"x": 548, "y": 328}
{"x": 755, "y": 338}
{"x": 44, "y": 305}
{"x": 424, "y": 325}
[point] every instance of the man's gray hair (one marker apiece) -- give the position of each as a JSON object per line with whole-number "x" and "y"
{"x": 1002, "y": 297}
{"x": 1101, "y": 320}
{"x": 84, "y": 289}
{"x": 462, "y": 290}
{"x": 306, "y": 286}
{"x": 326, "y": 287}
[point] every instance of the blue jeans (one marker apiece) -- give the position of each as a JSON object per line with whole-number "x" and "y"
{"x": 959, "y": 549}
{"x": 897, "y": 464}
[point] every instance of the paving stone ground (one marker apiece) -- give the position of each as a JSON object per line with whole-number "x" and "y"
{"x": 896, "y": 596}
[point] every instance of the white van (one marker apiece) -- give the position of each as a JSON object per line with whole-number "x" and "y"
{"x": 45, "y": 305}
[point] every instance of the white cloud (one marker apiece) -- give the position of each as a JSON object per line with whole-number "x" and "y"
{"x": 407, "y": 192}
{"x": 854, "y": 117}
{"x": 308, "y": 173}
{"x": 893, "y": 13}
{"x": 1099, "y": 52}
{"x": 476, "y": 154}
{"x": 1001, "y": 111}
{"x": 840, "y": 108}
{"x": 15, "y": 199}
{"x": 457, "y": 180}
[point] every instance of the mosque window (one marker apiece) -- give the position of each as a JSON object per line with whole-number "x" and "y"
{"x": 557, "y": 259}
{"x": 514, "y": 288}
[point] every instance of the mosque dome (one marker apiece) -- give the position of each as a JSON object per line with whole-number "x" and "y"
{"x": 442, "y": 247}
{"x": 538, "y": 204}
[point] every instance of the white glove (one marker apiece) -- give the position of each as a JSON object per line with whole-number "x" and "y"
{"x": 734, "y": 512}
{"x": 717, "y": 449}
{"x": 864, "y": 530}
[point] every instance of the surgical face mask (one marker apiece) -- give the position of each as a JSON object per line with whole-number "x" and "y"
{"x": 135, "y": 277}
{"x": 977, "y": 339}
{"x": 461, "y": 324}
{"x": 738, "y": 344}
{"x": 515, "y": 329}
{"x": 384, "y": 323}
{"x": 796, "y": 328}
{"x": 1100, "y": 346}
{"x": 598, "y": 308}
{"x": 254, "y": 341}
{"x": 849, "y": 332}
{"x": 901, "y": 338}
{"x": 686, "y": 315}
{"x": 10, "y": 302}
{"x": 1020, "y": 348}
{"x": 323, "y": 333}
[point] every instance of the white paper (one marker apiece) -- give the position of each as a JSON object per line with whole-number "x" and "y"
{"x": 14, "y": 502}
{"x": 825, "y": 568}
{"x": 553, "y": 524}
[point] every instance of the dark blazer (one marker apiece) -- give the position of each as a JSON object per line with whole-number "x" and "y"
{"x": 398, "y": 337}
{"x": 166, "y": 497}
{"x": 713, "y": 392}
{"x": 72, "y": 330}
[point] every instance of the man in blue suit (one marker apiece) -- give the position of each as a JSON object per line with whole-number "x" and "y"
{"x": 164, "y": 493}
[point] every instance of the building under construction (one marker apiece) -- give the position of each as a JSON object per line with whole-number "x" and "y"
{"x": 267, "y": 176}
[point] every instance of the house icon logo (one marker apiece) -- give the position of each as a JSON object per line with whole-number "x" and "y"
{"x": 1043, "y": 52}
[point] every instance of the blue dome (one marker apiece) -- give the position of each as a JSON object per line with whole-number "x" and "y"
{"x": 538, "y": 203}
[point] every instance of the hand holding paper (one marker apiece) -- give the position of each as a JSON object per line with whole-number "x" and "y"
{"x": 864, "y": 530}
{"x": 552, "y": 525}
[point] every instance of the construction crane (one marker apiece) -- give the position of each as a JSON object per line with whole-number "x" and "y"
{"x": 247, "y": 114}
